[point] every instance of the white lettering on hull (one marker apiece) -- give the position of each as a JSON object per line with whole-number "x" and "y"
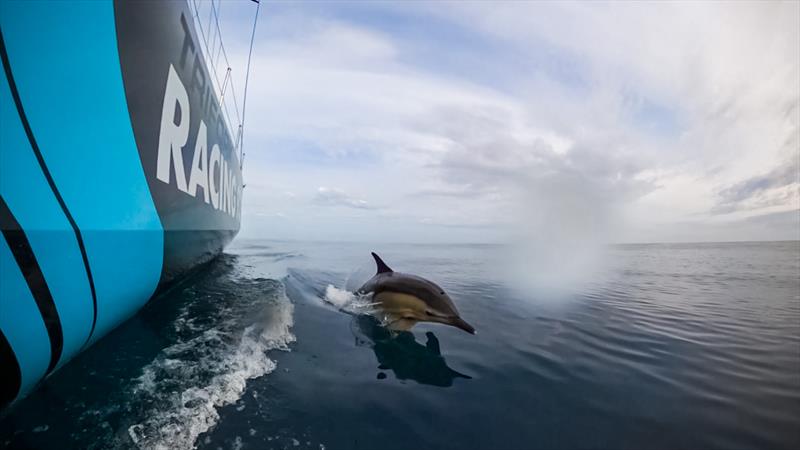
{"x": 214, "y": 165}
{"x": 172, "y": 136}
{"x": 207, "y": 167}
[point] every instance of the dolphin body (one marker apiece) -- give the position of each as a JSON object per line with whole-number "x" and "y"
{"x": 408, "y": 299}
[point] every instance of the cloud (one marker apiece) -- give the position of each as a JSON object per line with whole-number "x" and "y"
{"x": 336, "y": 197}
{"x": 644, "y": 118}
{"x": 780, "y": 187}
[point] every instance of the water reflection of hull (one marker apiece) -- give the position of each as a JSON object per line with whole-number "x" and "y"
{"x": 406, "y": 358}
{"x": 118, "y": 173}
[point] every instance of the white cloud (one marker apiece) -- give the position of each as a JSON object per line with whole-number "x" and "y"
{"x": 653, "y": 117}
{"x": 336, "y": 197}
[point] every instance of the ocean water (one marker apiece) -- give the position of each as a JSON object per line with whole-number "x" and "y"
{"x": 680, "y": 346}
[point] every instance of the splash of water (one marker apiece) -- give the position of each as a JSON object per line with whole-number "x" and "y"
{"x": 561, "y": 239}
{"x": 349, "y": 302}
{"x": 182, "y": 389}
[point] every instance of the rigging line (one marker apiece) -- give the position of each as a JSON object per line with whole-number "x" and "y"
{"x": 216, "y": 21}
{"x": 205, "y": 42}
{"x": 224, "y": 105}
{"x": 246, "y": 80}
{"x": 225, "y": 57}
{"x": 206, "y": 55}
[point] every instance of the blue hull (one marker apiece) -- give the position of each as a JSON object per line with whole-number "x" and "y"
{"x": 118, "y": 173}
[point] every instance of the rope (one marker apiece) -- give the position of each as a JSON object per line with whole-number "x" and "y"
{"x": 213, "y": 59}
{"x": 246, "y": 80}
{"x": 215, "y": 10}
{"x": 208, "y": 53}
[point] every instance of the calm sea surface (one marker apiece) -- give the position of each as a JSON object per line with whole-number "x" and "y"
{"x": 683, "y": 346}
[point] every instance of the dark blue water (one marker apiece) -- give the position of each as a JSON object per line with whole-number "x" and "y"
{"x": 673, "y": 346}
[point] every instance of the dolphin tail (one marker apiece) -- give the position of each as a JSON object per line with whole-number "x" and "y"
{"x": 382, "y": 267}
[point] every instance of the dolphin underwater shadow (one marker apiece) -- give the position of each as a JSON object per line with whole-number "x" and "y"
{"x": 400, "y": 353}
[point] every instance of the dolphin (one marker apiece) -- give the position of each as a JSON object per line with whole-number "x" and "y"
{"x": 408, "y": 299}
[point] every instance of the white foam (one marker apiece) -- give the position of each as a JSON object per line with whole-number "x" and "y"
{"x": 348, "y": 301}
{"x": 338, "y": 297}
{"x": 191, "y": 380}
{"x": 237, "y": 443}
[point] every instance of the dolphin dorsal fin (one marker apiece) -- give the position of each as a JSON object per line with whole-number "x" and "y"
{"x": 382, "y": 267}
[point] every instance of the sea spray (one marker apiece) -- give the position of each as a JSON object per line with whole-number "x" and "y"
{"x": 181, "y": 390}
{"x": 348, "y": 302}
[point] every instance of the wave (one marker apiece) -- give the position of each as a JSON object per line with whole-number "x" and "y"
{"x": 179, "y": 393}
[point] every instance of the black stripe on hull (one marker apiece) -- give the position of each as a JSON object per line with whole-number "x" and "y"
{"x": 10, "y": 376}
{"x": 26, "y": 260}
{"x": 24, "y": 119}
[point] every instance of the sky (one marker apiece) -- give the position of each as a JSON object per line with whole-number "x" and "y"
{"x": 493, "y": 122}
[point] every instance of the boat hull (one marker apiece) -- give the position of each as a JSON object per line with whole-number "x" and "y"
{"x": 118, "y": 173}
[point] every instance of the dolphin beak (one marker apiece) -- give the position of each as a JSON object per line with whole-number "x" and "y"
{"x": 458, "y": 322}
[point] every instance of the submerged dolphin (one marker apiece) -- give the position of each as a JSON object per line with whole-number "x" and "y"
{"x": 408, "y": 299}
